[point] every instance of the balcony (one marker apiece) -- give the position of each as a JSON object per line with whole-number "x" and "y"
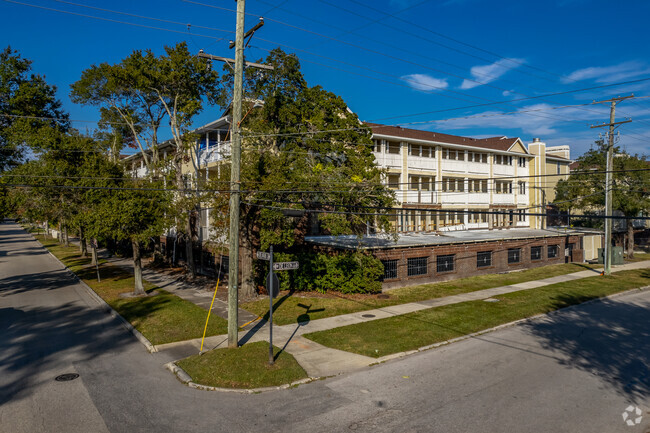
{"x": 478, "y": 198}
{"x": 503, "y": 199}
{"x": 214, "y": 153}
{"x": 453, "y": 198}
{"x": 451, "y": 165}
{"x": 503, "y": 170}
{"x": 420, "y": 163}
{"x": 389, "y": 160}
{"x": 424, "y": 197}
{"x": 478, "y": 168}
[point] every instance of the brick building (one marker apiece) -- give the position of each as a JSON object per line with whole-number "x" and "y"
{"x": 423, "y": 258}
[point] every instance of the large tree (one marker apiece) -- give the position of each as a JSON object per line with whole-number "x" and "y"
{"x": 303, "y": 149}
{"x": 139, "y": 93}
{"x": 630, "y": 194}
{"x": 28, "y": 105}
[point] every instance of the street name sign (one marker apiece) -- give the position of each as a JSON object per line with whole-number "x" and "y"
{"x": 263, "y": 255}
{"x": 285, "y": 266}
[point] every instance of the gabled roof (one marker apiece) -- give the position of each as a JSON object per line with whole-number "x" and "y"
{"x": 494, "y": 143}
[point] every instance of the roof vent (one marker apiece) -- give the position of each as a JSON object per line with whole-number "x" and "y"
{"x": 536, "y": 140}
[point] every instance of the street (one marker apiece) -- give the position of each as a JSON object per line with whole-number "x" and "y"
{"x": 573, "y": 371}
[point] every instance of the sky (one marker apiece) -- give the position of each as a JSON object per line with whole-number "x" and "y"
{"x": 466, "y": 67}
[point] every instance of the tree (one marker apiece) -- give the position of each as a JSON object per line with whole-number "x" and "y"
{"x": 630, "y": 193}
{"x": 302, "y": 149}
{"x": 142, "y": 90}
{"x": 27, "y": 106}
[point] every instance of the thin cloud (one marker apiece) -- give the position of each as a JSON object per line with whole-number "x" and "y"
{"x": 487, "y": 73}
{"x": 609, "y": 74}
{"x": 425, "y": 83}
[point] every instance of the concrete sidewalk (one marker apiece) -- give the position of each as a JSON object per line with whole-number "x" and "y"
{"x": 182, "y": 289}
{"x": 318, "y": 360}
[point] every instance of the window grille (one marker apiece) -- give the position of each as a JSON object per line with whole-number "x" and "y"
{"x": 536, "y": 253}
{"x": 483, "y": 259}
{"x": 390, "y": 269}
{"x": 416, "y": 266}
{"x": 552, "y": 251}
{"x": 445, "y": 263}
{"x": 514, "y": 255}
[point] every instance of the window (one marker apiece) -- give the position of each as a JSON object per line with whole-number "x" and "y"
{"x": 445, "y": 263}
{"x": 416, "y": 266}
{"x": 477, "y": 185}
{"x": 522, "y": 215}
{"x": 422, "y": 151}
{"x": 522, "y": 188}
{"x": 483, "y": 259}
{"x": 552, "y": 251}
{"x": 536, "y": 253}
{"x": 393, "y": 147}
{"x": 514, "y": 255}
{"x": 522, "y": 162}
{"x": 390, "y": 269}
{"x": 559, "y": 170}
{"x": 502, "y": 187}
{"x": 376, "y": 146}
{"x": 393, "y": 181}
{"x": 453, "y": 184}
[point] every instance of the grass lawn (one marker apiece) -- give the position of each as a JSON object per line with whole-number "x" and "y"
{"x": 638, "y": 257}
{"x": 300, "y": 307}
{"x": 244, "y": 367}
{"x": 401, "y": 333}
{"x": 161, "y": 317}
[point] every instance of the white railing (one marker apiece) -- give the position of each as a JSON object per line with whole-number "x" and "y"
{"x": 426, "y": 197}
{"x": 214, "y": 153}
{"x": 453, "y": 198}
{"x": 142, "y": 172}
{"x": 478, "y": 198}
{"x": 388, "y": 159}
{"x": 478, "y": 168}
{"x": 503, "y": 198}
{"x": 420, "y": 163}
{"x": 503, "y": 170}
{"x": 454, "y": 166}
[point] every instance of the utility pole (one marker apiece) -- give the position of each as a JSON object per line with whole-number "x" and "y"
{"x": 608, "y": 178}
{"x": 235, "y": 150}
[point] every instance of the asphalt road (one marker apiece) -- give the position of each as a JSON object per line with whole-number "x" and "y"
{"x": 576, "y": 371}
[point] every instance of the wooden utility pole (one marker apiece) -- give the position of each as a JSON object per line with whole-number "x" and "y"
{"x": 235, "y": 151}
{"x": 608, "y": 178}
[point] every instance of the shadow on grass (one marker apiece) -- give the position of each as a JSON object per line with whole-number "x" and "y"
{"x": 609, "y": 339}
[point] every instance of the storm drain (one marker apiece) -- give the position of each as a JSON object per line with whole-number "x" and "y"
{"x": 368, "y": 316}
{"x": 66, "y": 377}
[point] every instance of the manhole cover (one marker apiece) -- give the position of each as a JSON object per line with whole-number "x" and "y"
{"x": 66, "y": 377}
{"x": 368, "y": 316}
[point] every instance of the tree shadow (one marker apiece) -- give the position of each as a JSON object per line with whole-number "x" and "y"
{"x": 33, "y": 340}
{"x": 609, "y": 339}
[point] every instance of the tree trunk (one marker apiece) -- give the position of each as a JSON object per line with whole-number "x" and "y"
{"x": 59, "y": 234}
{"x": 66, "y": 240}
{"x": 630, "y": 239}
{"x": 93, "y": 253}
{"x": 189, "y": 251}
{"x": 247, "y": 279}
{"x": 137, "y": 269}
{"x": 83, "y": 249}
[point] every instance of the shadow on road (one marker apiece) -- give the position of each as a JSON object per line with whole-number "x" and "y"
{"x": 609, "y": 339}
{"x": 37, "y": 339}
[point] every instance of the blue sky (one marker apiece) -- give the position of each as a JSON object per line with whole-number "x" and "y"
{"x": 388, "y": 59}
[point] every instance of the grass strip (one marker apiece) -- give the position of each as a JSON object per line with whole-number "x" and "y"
{"x": 298, "y": 307}
{"x": 161, "y": 317}
{"x": 244, "y": 367}
{"x": 410, "y": 331}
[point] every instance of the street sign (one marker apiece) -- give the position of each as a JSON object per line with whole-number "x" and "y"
{"x": 273, "y": 284}
{"x": 263, "y": 255}
{"x": 285, "y": 266}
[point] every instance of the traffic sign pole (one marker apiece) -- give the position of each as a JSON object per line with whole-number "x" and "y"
{"x": 270, "y": 290}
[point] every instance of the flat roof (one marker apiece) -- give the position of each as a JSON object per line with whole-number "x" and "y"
{"x": 384, "y": 241}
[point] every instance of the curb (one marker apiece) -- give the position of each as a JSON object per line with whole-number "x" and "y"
{"x": 503, "y": 325}
{"x": 105, "y": 307}
{"x": 185, "y": 379}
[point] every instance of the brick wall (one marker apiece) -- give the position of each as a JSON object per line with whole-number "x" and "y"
{"x": 465, "y": 258}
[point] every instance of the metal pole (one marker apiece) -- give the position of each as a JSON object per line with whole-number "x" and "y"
{"x": 270, "y": 289}
{"x": 608, "y": 192}
{"x": 233, "y": 271}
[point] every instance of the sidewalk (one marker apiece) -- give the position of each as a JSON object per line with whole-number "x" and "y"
{"x": 182, "y": 289}
{"x": 318, "y": 360}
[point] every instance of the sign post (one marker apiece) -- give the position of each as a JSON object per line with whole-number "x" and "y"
{"x": 273, "y": 287}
